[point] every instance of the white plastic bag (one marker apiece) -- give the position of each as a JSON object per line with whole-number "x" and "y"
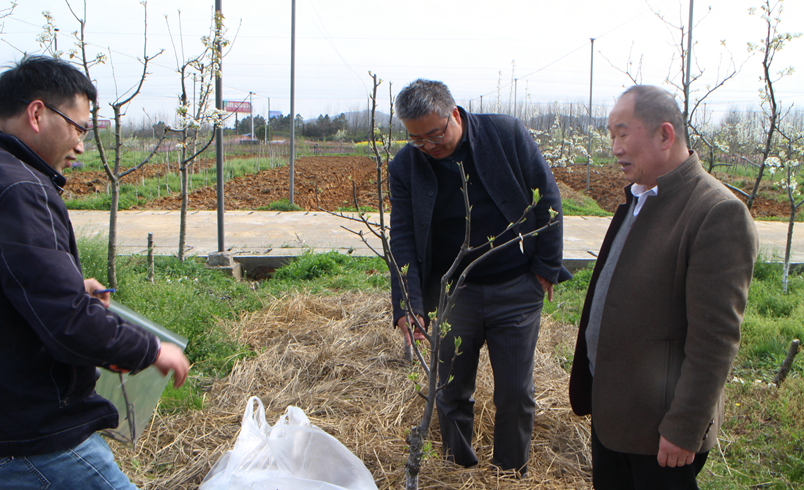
{"x": 291, "y": 455}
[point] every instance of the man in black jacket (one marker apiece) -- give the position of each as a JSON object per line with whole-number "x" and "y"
{"x": 56, "y": 331}
{"x": 501, "y": 303}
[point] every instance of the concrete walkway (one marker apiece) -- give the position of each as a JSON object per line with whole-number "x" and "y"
{"x": 290, "y": 233}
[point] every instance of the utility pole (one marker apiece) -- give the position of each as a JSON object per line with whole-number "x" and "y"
{"x": 515, "y": 82}
{"x": 591, "y": 116}
{"x": 268, "y": 121}
{"x": 251, "y": 108}
{"x": 219, "y": 132}
{"x": 292, "y": 97}
{"x": 481, "y": 104}
{"x": 687, "y": 79}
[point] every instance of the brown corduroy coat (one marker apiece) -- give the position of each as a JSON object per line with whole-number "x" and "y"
{"x": 670, "y": 326}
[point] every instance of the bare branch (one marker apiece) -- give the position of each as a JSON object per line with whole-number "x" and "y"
{"x": 148, "y": 158}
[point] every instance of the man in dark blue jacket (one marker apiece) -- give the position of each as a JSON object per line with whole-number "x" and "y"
{"x": 55, "y": 331}
{"x": 502, "y": 300}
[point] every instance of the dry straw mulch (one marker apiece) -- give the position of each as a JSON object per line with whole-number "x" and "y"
{"x": 337, "y": 359}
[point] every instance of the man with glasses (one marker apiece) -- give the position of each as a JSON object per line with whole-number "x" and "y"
{"x": 55, "y": 328}
{"x": 501, "y": 303}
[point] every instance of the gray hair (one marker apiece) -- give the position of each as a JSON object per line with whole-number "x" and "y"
{"x": 423, "y": 97}
{"x": 655, "y": 106}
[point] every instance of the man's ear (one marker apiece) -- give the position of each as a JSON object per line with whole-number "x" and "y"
{"x": 668, "y": 135}
{"x": 33, "y": 115}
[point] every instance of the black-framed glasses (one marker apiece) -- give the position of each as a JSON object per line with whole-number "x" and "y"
{"x": 82, "y": 131}
{"x": 435, "y": 140}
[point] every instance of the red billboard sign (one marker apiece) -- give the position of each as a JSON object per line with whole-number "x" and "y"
{"x": 102, "y": 123}
{"x": 237, "y": 106}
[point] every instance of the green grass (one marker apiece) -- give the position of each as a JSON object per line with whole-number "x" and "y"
{"x": 762, "y": 440}
{"x": 332, "y": 272}
{"x": 186, "y": 298}
{"x": 363, "y": 209}
{"x": 586, "y": 207}
{"x": 763, "y": 437}
{"x": 281, "y": 205}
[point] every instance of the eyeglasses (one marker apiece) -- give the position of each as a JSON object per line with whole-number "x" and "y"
{"x": 435, "y": 140}
{"x": 82, "y": 131}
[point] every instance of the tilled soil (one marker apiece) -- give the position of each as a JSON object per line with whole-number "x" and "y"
{"x": 331, "y": 182}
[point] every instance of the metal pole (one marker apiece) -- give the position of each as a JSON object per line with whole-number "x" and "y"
{"x": 219, "y": 134}
{"x": 481, "y": 104}
{"x": 292, "y": 97}
{"x": 591, "y": 116}
{"x": 515, "y": 83}
{"x": 268, "y": 121}
{"x": 687, "y": 79}
{"x": 251, "y": 114}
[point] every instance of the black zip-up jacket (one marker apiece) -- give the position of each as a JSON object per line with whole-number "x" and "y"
{"x": 509, "y": 165}
{"x": 53, "y": 334}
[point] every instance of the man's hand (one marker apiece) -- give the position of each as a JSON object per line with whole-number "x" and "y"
{"x": 172, "y": 358}
{"x": 91, "y": 285}
{"x": 403, "y": 323}
{"x": 672, "y": 455}
{"x": 547, "y": 286}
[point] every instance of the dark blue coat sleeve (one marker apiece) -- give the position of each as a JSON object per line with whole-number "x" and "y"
{"x": 41, "y": 279}
{"x": 403, "y": 238}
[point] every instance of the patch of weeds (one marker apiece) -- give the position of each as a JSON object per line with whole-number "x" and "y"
{"x": 569, "y": 296}
{"x": 281, "y": 205}
{"x": 362, "y": 209}
{"x": 185, "y": 297}
{"x": 330, "y": 272}
{"x": 187, "y": 398}
{"x": 584, "y": 206}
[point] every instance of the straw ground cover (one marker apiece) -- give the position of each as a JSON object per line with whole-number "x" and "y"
{"x": 336, "y": 357}
{"x": 317, "y": 336}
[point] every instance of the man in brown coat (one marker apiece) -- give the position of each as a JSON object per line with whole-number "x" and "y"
{"x": 661, "y": 323}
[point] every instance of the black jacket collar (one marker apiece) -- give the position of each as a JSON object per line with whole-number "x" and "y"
{"x": 13, "y": 145}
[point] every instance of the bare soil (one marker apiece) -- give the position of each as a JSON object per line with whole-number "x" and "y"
{"x": 326, "y": 182}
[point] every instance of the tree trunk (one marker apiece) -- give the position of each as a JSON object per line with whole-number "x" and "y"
{"x": 114, "y": 184}
{"x": 184, "y": 198}
{"x": 788, "y": 363}
{"x": 789, "y": 245}
{"x": 415, "y": 442}
{"x": 111, "y": 267}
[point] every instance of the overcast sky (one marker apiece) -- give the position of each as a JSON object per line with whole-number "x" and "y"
{"x": 471, "y": 45}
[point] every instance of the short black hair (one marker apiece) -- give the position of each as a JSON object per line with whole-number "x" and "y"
{"x": 35, "y": 77}
{"x": 423, "y": 97}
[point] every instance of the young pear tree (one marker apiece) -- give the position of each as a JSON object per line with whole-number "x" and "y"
{"x": 788, "y": 163}
{"x": 196, "y": 114}
{"x": 773, "y": 42}
{"x": 80, "y": 55}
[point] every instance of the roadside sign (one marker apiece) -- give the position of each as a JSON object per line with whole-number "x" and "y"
{"x": 237, "y": 106}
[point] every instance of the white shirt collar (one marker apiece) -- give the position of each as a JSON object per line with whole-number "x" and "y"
{"x": 639, "y": 191}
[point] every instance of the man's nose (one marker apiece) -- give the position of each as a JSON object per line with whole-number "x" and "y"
{"x": 79, "y": 148}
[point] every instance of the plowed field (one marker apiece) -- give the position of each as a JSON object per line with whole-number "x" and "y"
{"x": 326, "y": 182}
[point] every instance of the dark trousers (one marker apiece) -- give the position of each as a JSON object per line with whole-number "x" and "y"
{"x": 506, "y": 318}
{"x": 612, "y": 470}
